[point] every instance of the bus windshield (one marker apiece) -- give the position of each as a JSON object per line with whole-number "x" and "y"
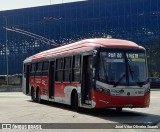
{"x": 123, "y": 68}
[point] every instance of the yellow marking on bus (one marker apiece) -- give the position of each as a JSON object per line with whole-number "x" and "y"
{"x": 138, "y": 59}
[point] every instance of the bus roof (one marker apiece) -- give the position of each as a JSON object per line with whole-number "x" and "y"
{"x": 83, "y": 46}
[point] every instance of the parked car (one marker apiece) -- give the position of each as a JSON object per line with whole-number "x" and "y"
{"x": 154, "y": 82}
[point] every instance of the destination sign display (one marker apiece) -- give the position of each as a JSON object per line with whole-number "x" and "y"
{"x": 119, "y": 57}
{"x": 115, "y": 55}
{"x": 135, "y": 55}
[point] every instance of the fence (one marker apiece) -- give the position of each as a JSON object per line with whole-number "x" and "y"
{"x": 12, "y": 79}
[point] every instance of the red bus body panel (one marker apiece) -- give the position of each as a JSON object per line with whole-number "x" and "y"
{"x": 59, "y": 88}
{"x": 107, "y": 101}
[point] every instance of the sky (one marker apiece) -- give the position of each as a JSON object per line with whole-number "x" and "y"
{"x": 17, "y": 4}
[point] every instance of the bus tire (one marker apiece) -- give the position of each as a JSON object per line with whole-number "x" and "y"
{"x": 38, "y": 96}
{"x": 119, "y": 109}
{"x": 74, "y": 102}
{"x": 33, "y": 97}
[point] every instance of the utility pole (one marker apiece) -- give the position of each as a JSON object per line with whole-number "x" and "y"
{"x": 6, "y": 48}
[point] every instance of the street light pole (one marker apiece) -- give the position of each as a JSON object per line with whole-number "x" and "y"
{"x": 32, "y": 35}
{"x": 6, "y": 49}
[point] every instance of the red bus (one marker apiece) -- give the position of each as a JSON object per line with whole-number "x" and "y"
{"x": 92, "y": 73}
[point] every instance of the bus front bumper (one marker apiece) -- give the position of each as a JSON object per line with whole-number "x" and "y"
{"x": 106, "y": 101}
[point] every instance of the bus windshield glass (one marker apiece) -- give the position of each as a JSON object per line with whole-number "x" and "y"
{"x": 123, "y": 68}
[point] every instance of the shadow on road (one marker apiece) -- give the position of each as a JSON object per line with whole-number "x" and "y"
{"x": 126, "y": 116}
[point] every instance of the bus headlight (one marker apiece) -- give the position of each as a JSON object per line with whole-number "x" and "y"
{"x": 103, "y": 90}
{"x": 147, "y": 91}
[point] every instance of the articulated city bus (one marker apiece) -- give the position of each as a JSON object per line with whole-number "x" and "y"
{"x": 92, "y": 73}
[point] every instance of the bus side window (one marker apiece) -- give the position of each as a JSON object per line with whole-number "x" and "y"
{"x": 67, "y": 69}
{"x": 39, "y": 67}
{"x": 76, "y": 68}
{"x": 45, "y": 67}
{"x": 32, "y": 69}
{"x": 59, "y": 70}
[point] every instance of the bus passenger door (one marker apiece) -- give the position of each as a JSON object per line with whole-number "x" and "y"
{"x": 27, "y": 78}
{"x": 86, "y": 79}
{"x": 51, "y": 79}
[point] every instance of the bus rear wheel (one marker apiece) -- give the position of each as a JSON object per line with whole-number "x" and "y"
{"x": 33, "y": 97}
{"x": 38, "y": 96}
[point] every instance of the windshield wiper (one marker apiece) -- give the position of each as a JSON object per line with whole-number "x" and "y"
{"x": 134, "y": 78}
{"x": 116, "y": 83}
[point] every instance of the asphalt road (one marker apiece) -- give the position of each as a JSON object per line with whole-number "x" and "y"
{"x": 15, "y": 107}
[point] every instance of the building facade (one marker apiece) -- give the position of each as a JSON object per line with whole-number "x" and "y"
{"x": 63, "y": 23}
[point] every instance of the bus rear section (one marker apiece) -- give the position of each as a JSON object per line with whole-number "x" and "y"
{"x": 96, "y": 77}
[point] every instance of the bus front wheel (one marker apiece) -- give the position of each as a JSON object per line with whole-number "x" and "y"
{"x": 119, "y": 109}
{"x": 74, "y": 102}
